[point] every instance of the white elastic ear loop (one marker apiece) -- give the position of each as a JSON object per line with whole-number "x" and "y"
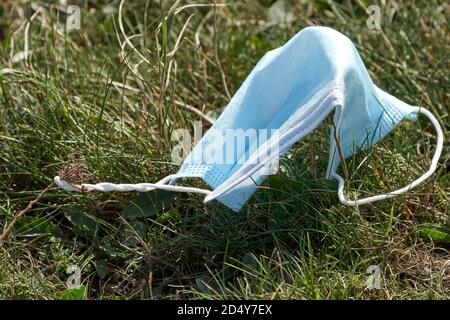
{"x": 125, "y": 187}
{"x": 426, "y": 175}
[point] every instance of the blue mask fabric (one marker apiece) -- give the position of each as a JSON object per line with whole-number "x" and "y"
{"x": 286, "y": 96}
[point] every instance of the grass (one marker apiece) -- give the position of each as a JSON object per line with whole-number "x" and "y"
{"x": 112, "y": 93}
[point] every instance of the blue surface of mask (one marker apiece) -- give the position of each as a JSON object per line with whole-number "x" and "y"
{"x": 288, "y": 94}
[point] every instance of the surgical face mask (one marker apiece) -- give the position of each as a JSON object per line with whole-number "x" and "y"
{"x": 286, "y": 96}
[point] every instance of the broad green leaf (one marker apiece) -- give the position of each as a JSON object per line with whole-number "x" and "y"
{"x": 132, "y": 230}
{"x": 444, "y": 181}
{"x": 148, "y": 204}
{"x": 101, "y": 266}
{"x": 85, "y": 225}
{"x": 74, "y": 294}
{"x": 435, "y": 233}
{"x": 30, "y": 227}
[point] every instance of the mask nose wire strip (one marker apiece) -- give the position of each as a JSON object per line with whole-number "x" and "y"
{"x": 125, "y": 187}
{"x": 439, "y": 145}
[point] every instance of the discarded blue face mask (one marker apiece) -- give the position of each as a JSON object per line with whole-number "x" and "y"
{"x": 286, "y": 96}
